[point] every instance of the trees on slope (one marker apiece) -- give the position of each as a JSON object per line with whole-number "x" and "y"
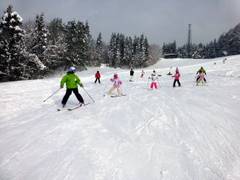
{"x": 14, "y": 57}
{"x": 125, "y": 51}
{"x": 227, "y": 44}
{"x": 43, "y": 47}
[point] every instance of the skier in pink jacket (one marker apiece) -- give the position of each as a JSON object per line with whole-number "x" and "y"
{"x": 116, "y": 85}
{"x": 176, "y": 78}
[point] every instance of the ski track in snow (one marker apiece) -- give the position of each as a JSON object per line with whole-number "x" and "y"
{"x": 187, "y": 133}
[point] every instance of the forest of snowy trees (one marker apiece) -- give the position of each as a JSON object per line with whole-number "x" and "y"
{"x": 227, "y": 44}
{"x": 32, "y": 49}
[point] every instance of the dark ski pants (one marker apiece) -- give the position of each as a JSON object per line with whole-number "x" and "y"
{"x": 97, "y": 79}
{"x": 174, "y": 83}
{"x": 199, "y": 78}
{"x": 69, "y": 92}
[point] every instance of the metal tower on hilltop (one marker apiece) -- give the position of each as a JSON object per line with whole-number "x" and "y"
{"x": 189, "y": 42}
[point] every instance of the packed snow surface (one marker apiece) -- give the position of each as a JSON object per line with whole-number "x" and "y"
{"x": 186, "y": 133}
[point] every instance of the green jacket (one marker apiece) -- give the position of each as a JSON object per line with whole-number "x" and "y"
{"x": 71, "y": 80}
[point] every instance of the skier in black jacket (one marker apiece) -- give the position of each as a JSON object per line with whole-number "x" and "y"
{"x": 131, "y": 74}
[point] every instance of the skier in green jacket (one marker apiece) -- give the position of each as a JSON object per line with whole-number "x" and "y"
{"x": 72, "y": 81}
{"x": 201, "y": 73}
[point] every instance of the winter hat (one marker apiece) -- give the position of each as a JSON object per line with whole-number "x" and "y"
{"x": 72, "y": 69}
{"x": 177, "y": 71}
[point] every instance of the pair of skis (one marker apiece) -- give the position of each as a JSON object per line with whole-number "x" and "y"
{"x": 113, "y": 96}
{"x": 73, "y": 108}
{"x": 81, "y": 105}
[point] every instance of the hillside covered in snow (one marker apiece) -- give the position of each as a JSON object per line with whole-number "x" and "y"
{"x": 186, "y": 133}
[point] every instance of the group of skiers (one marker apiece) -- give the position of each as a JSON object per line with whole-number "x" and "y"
{"x": 72, "y": 81}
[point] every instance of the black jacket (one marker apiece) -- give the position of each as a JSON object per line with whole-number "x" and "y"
{"x": 131, "y": 73}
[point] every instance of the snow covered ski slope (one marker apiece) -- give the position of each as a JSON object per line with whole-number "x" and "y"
{"x": 186, "y": 133}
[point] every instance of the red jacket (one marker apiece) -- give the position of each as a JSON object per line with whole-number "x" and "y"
{"x": 97, "y": 75}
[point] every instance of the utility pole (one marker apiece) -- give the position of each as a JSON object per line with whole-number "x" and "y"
{"x": 189, "y": 43}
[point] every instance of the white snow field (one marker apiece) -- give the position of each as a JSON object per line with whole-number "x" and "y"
{"x": 187, "y": 133}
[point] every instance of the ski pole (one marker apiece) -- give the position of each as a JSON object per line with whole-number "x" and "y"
{"x": 88, "y": 95}
{"x": 148, "y": 82}
{"x": 52, "y": 95}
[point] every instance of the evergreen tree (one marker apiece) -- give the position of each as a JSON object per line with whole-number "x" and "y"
{"x": 125, "y": 51}
{"x": 92, "y": 53}
{"x": 77, "y": 35}
{"x": 122, "y": 49}
{"x": 112, "y": 51}
{"x": 12, "y": 59}
{"x": 99, "y": 49}
{"x": 198, "y": 51}
{"x": 29, "y": 27}
{"x": 56, "y": 31}
{"x": 145, "y": 51}
{"x": 16, "y": 62}
{"x": 87, "y": 38}
{"x": 55, "y": 52}
{"x": 118, "y": 51}
{"x": 136, "y": 49}
{"x": 170, "y": 48}
{"x": 40, "y": 38}
{"x": 128, "y": 51}
{"x": 141, "y": 51}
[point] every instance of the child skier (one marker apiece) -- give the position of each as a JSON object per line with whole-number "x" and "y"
{"x": 201, "y": 75}
{"x": 201, "y": 78}
{"x": 72, "y": 81}
{"x": 116, "y": 85}
{"x": 176, "y": 78}
{"x": 97, "y": 76}
{"x": 142, "y": 74}
{"x": 224, "y": 60}
{"x": 170, "y": 73}
{"x": 131, "y": 74}
{"x": 154, "y": 79}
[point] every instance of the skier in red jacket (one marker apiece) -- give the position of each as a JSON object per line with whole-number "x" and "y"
{"x": 97, "y": 76}
{"x": 176, "y": 78}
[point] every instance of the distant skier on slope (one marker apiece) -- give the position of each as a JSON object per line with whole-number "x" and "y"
{"x": 131, "y": 74}
{"x": 154, "y": 78}
{"x": 142, "y": 74}
{"x": 224, "y": 60}
{"x": 201, "y": 75}
{"x": 97, "y": 76}
{"x": 72, "y": 81}
{"x": 116, "y": 85}
{"x": 176, "y": 78}
{"x": 170, "y": 73}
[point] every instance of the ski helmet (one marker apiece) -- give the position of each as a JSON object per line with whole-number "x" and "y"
{"x": 115, "y": 76}
{"x": 72, "y": 69}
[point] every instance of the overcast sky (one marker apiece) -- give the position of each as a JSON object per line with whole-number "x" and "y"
{"x": 160, "y": 20}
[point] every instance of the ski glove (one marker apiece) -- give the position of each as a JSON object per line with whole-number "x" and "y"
{"x": 81, "y": 85}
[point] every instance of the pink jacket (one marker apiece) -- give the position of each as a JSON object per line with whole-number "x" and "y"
{"x": 201, "y": 76}
{"x": 177, "y": 76}
{"x": 116, "y": 82}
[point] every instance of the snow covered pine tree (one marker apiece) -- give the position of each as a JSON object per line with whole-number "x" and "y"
{"x": 11, "y": 46}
